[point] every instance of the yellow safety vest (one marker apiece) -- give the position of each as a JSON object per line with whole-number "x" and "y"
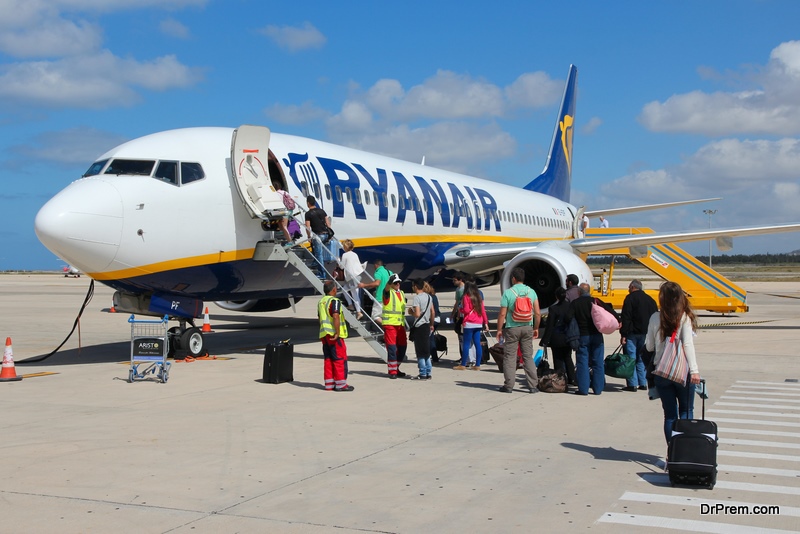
{"x": 326, "y": 320}
{"x": 394, "y": 311}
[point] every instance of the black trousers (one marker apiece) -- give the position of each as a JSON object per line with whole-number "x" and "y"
{"x": 562, "y": 360}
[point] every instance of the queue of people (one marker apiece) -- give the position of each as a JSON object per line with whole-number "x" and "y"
{"x": 644, "y": 328}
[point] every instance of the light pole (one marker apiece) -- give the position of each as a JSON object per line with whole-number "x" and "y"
{"x": 709, "y": 213}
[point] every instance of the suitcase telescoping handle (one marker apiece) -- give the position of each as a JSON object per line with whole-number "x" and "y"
{"x": 703, "y": 395}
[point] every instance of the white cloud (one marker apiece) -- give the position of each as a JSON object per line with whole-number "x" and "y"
{"x": 592, "y": 126}
{"x": 294, "y": 38}
{"x": 758, "y": 181}
{"x": 533, "y": 90}
{"x": 73, "y": 70}
{"x": 87, "y": 81}
{"x": 174, "y": 28}
{"x": 771, "y": 106}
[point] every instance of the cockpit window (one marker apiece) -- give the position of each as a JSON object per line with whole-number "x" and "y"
{"x": 191, "y": 172}
{"x": 134, "y": 167}
{"x": 96, "y": 167}
{"x": 167, "y": 171}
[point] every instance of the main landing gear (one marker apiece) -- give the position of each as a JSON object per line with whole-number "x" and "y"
{"x": 186, "y": 341}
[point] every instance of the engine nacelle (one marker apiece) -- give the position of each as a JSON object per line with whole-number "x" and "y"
{"x": 546, "y": 267}
{"x": 256, "y": 305}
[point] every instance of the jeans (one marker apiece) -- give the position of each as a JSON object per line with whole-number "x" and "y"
{"x": 634, "y": 346}
{"x": 590, "y": 354}
{"x": 677, "y": 401}
{"x": 471, "y": 336}
{"x": 320, "y": 253}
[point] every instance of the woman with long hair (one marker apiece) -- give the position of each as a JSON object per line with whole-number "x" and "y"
{"x": 675, "y": 315}
{"x": 475, "y": 320}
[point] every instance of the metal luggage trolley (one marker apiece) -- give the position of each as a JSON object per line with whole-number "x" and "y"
{"x": 149, "y": 346}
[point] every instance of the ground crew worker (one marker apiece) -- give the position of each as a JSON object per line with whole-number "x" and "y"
{"x": 394, "y": 331}
{"x": 332, "y": 333}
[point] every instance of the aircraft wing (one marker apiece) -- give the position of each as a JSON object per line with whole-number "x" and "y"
{"x": 601, "y": 243}
{"x": 633, "y": 209}
{"x": 485, "y": 258}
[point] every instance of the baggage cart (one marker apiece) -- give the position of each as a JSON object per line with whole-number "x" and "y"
{"x": 149, "y": 349}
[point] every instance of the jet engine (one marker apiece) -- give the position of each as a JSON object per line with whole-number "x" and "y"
{"x": 546, "y": 267}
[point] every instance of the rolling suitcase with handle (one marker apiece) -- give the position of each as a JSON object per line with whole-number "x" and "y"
{"x": 278, "y": 365}
{"x": 692, "y": 451}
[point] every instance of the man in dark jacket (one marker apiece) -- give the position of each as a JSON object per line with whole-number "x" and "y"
{"x": 637, "y": 309}
{"x": 590, "y": 353}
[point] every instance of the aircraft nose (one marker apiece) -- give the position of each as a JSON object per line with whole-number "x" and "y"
{"x": 83, "y": 224}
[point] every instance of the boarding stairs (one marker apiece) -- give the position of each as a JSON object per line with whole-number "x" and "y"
{"x": 274, "y": 248}
{"x": 706, "y": 288}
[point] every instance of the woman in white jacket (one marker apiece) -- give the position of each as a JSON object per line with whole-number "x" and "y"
{"x": 353, "y": 268}
{"x": 675, "y": 314}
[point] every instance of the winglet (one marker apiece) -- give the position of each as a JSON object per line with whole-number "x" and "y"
{"x": 557, "y": 174}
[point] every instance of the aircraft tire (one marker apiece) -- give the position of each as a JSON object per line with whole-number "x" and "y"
{"x": 193, "y": 342}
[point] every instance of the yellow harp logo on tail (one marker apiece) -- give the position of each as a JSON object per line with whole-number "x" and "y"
{"x": 566, "y": 139}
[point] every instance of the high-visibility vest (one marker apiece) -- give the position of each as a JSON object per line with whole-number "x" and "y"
{"x": 326, "y": 320}
{"x": 394, "y": 311}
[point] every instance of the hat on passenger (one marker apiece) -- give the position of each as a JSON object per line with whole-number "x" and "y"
{"x": 395, "y": 279}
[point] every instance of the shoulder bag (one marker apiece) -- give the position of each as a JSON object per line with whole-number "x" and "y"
{"x": 673, "y": 365}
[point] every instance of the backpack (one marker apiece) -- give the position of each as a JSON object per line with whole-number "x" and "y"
{"x": 288, "y": 201}
{"x": 522, "y": 312}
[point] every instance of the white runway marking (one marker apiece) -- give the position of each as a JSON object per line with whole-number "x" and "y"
{"x": 759, "y": 470}
{"x": 791, "y": 511}
{"x": 759, "y": 455}
{"x": 763, "y": 414}
{"x": 758, "y": 399}
{"x": 651, "y": 521}
{"x": 757, "y": 422}
{"x": 758, "y": 443}
{"x": 751, "y": 405}
{"x": 776, "y": 433}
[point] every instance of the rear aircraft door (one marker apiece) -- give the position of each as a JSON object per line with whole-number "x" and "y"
{"x": 249, "y": 168}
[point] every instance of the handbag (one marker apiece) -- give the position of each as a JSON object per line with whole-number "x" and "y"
{"x": 673, "y": 365}
{"x": 550, "y": 380}
{"x": 619, "y": 365}
{"x": 604, "y": 320}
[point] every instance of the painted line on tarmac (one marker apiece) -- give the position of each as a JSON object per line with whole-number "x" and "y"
{"x": 759, "y": 443}
{"x": 758, "y": 399}
{"x": 790, "y": 511}
{"x": 764, "y": 393}
{"x": 740, "y": 323}
{"x": 652, "y": 521}
{"x": 751, "y": 405}
{"x": 760, "y": 432}
{"x": 662, "y": 479}
{"x": 760, "y": 456}
{"x": 757, "y": 422}
{"x": 747, "y": 412}
{"x": 736, "y": 388}
{"x": 789, "y": 384}
{"x": 759, "y": 470}
{"x": 36, "y": 375}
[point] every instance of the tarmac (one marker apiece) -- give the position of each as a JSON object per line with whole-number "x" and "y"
{"x": 216, "y": 449}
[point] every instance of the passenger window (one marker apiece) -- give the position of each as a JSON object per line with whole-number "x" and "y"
{"x": 167, "y": 171}
{"x": 394, "y": 202}
{"x": 348, "y": 193}
{"x": 383, "y": 198}
{"x": 358, "y": 196}
{"x": 375, "y": 197}
{"x": 338, "y": 193}
{"x": 304, "y": 188}
{"x": 366, "y": 198}
{"x": 95, "y": 168}
{"x": 328, "y": 191}
{"x": 316, "y": 191}
{"x": 191, "y": 172}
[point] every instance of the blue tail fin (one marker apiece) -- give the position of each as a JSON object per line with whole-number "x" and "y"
{"x": 557, "y": 174}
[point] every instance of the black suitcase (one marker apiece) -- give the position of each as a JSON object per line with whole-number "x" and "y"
{"x": 692, "y": 451}
{"x": 278, "y": 367}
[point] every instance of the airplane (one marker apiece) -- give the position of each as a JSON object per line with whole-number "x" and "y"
{"x": 171, "y": 220}
{"x": 69, "y": 270}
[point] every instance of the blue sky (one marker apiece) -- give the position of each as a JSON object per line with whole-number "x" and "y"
{"x": 677, "y": 100}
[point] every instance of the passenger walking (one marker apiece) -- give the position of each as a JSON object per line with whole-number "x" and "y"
{"x": 381, "y": 280}
{"x": 474, "y": 317}
{"x": 421, "y": 328}
{"x": 559, "y": 316}
{"x": 676, "y": 316}
{"x": 318, "y": 223}
{"x": 517, "y": 327}
{"x": 394, "y": 331}
{"x": 437, "y": 318}
{"x": 637, "y": 308}
{"x": 332, "y": 333}
{"x": 353, "y": 268}
{"x": 590, "y": 354}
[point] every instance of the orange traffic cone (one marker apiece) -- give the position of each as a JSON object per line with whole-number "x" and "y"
{"x": 9, "y": 373}
{"x": 112, "y": 309}
{"x": 206, "y": 322}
